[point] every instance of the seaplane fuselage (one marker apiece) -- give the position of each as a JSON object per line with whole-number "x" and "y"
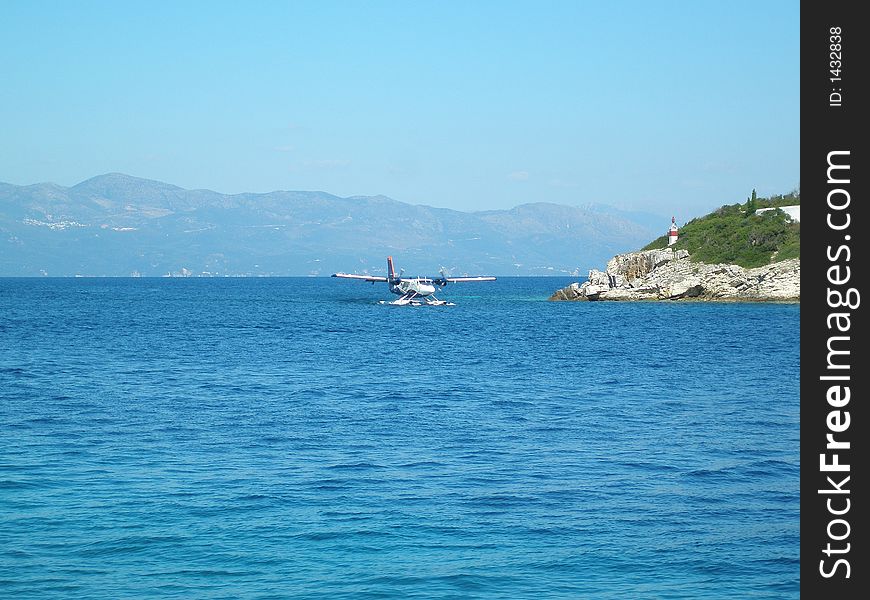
{"x": 418, "y": 286}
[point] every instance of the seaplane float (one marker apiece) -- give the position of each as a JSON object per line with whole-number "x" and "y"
{"x": 413, "y": 291}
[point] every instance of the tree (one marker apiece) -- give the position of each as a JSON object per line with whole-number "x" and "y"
{"x": 751, "y": 203}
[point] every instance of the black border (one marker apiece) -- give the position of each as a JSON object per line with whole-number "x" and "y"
{"x": 826, "y": 128}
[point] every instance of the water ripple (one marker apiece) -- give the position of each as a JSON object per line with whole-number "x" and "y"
{"x": 294, "y": 438}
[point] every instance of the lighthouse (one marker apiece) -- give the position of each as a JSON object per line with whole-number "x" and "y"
{"x": 673, "y": 232}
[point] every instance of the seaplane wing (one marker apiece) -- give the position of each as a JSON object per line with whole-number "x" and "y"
{"x": 459, "y": 279}
{"x": 371, "y": 278}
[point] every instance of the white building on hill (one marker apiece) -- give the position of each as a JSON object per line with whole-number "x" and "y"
{"x": 793, "y": 211}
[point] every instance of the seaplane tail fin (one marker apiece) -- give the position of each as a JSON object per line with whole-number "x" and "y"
{"x": 391, "y": 272}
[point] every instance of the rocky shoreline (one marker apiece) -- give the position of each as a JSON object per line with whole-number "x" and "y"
{"x": 668, "y": 275}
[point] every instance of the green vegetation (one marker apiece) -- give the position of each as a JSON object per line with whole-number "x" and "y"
{"x": 735, "y": 234}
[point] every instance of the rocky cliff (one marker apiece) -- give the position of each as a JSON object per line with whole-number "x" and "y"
{"x": 668, "y": 275}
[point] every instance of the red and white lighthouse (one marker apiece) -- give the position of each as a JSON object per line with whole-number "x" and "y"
{"x": 673, "y": 232}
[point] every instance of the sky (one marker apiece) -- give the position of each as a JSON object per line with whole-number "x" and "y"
{"x": 665, "y": 107}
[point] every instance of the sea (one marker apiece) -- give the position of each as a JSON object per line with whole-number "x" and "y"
{"x": 295, "y": 438}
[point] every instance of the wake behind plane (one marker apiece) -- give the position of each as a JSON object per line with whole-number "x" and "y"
{"x": 413, "y": 291}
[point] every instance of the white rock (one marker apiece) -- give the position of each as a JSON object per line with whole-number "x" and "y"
{"x": 660, "y": 274}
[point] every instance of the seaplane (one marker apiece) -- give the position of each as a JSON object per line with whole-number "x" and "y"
{"x": 413, "y": 291}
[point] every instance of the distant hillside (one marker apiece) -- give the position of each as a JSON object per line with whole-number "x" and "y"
{"x": 118, "y": 225}
{"x": 736, "y": 235}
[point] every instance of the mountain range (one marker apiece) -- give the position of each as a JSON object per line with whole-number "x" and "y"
{"x": 118, "y": 225}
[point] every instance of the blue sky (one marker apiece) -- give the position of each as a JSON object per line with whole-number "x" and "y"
{"x": 670, "y": 107}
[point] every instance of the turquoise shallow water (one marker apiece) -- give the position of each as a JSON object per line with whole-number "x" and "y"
{"x": 292, "y": 438}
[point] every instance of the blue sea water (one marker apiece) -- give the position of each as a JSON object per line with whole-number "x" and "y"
{"x": 293, "y": 438}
